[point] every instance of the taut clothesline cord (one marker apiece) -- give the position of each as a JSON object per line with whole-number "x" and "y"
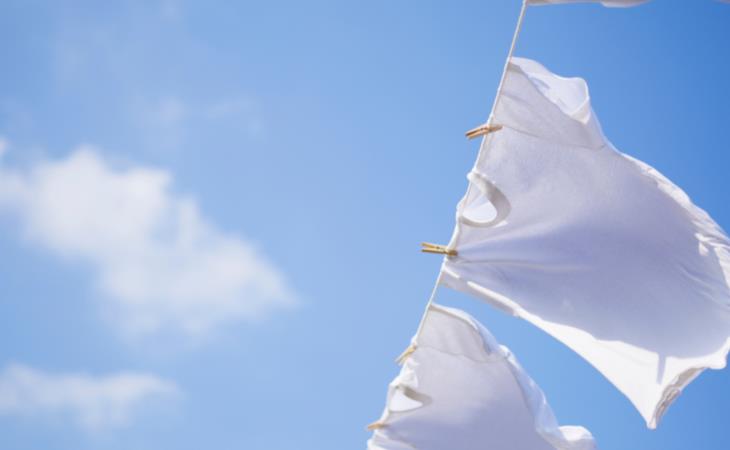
{"x": 516, "y": 35}
{"x": 518, "y": 28}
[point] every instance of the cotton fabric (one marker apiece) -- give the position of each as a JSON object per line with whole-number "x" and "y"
{"x": 461, "y": 390}
{"x": 591, "y": 245}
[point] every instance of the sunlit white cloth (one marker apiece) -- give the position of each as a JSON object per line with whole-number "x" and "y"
{"x": 595, "y": 247}
{"x": 610, "y": 3}
{"x": 461, "y": 390}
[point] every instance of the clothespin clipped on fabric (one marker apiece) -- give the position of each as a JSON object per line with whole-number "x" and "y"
{"x": 408, "y": 352}
{"x": 427, "y": 247}
{"x": 376, "y": 426}
{"x": 482, "y": 130}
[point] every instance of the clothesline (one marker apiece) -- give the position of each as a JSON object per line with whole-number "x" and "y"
{"x": 482, "y": 147}
{"x": 595, "y": 247}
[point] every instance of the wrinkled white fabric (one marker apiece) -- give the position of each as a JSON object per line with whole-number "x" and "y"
{"x": 593, "y": 246}
{"x": 461, "y": 390}
{"x": 609, "y": 3}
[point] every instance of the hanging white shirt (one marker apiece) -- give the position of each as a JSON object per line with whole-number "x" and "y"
{"x": 593, "y": 246}
{"x": 461, "y": 390}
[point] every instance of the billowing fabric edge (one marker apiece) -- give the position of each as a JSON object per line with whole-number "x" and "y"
{"x": 711, "y": 234}
{"x": 670, "y": 391}
{"x": 581, "y": 114}
{"x": 708, "y": 233}
{"x": 560, "y": 437}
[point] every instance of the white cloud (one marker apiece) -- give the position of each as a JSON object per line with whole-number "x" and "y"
{"x": 92, "y": 403}
{"x": 158, "y": 262}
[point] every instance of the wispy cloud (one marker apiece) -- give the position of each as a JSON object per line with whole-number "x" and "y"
{"x": 159, "y": 263}
{"x": 167, "y": 122}
{"x": 159, "y": 94}
{"x": 240, "y": 109}
{"x": 94, "y": 403}
{"x": 161, "y": 122}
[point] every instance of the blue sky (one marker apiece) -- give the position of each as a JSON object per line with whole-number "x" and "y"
{"x": 210, "y": 214}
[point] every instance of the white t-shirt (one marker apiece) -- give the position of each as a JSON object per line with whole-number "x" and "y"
{"x": 461, "y": 390}
{"x": 593, "y": 246}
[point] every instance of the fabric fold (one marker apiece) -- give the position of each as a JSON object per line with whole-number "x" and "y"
{"x": 460, "y": 390}
{"x": 596, "y": 248}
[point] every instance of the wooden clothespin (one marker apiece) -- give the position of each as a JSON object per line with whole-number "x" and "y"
{"x": 427, "y": 247}
{"x": 408, "y": 352}
{"x": 376, "y": 426}
{"x": 481, "y": 130}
